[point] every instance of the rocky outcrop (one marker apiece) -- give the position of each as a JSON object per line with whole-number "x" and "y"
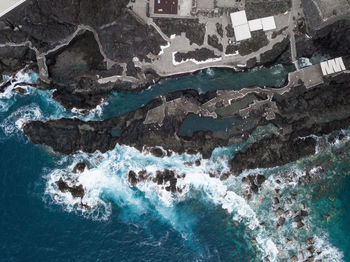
{"x": 79, "y": 42}
{"x": 199, "y": 55}
{"x": 214, "y": 41}
{"x": 166, "y": 179}
{"x": 76, "y": 191}
{"x": 13, "y": 59}
{"x": 194, "y": 30}
{"x": 300, "y": 113}
{"x": 332, "y": 40}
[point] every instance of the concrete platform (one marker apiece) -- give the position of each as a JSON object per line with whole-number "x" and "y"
{"x": 7, "y": 5}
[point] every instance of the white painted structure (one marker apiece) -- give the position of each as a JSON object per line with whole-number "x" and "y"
{"x": 332, "y": 66}
{"x": 7, "y": 5}
{"x": 243, "y": 27}
{"x": 238, "y": 18}
{"x": 255, "y": 25}
{"x": 268, "y": 23}
{"x": 242, "y": 32}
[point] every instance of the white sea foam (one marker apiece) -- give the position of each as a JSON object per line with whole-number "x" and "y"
{"x": 14, "y": 122}
{"x": 22, "y": 80}
{"x": 107, "y": 180}
{"x": 329, "y": 252}
{"x": 209, "y": 71}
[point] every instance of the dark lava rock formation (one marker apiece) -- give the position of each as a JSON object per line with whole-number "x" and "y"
{"x": 79, "y": 41}
{"x": 299, "y": 113}
{"x": 195, "y": 31}
{"x": 166, "y": 178}
{"x": 214, "y": 41}
{"x": 199, "y": 55}
{"x": 76, "y": 191}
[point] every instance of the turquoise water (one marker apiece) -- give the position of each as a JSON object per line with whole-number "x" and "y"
{"x": 210, "y": 221}
{"x": 195, "y": 123}
{"x": 207, "y": 80}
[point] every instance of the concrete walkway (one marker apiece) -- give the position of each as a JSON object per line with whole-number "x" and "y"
{"x": 293, "y": 15}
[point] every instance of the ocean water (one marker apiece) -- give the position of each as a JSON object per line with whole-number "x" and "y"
{"x": 210, "y": 220}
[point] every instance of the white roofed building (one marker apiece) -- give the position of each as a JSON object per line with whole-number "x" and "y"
{"x": 242, "y": 32}
{"x": 255, "y": 25}
{"x": 238, "y": 18}
{"x": 242, "y": 27}
{"x": 268, "y": 23}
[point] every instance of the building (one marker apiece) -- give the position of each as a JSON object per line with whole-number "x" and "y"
{"x": 242, "y": 27}
{"x": 7, "y": 5}
{"x": 332, "y": 66}
{"x": 166, "y": 7}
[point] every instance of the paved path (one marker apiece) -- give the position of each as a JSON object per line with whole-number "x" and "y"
{"x": 164, "y": 36}
{"x": 292, "y": 24}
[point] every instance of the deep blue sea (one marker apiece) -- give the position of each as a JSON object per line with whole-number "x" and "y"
{"x": 210, "y": 221}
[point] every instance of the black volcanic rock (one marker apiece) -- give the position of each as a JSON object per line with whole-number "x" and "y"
{"x": 76, "y": 191}
{"x": 15, "y": 58}
{"x": 201, "y": 54}
{"x": 77, "y": 39}
{"x": 332, "y": 40}
{"x": 80, "y": 167}
{"x": 302, "y": 112}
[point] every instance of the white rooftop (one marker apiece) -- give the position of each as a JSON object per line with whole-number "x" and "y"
{"x": 238, "y": 18}
{"x": 255, "y": 25}
{"x": 268, "y": 23}
{"x": 332, "y": 66}
{"x": 242, "y": 32}
{"x": 7, "y": 5}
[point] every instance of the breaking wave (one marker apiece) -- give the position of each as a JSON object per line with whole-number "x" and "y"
{"x": 105, "y": 184}
{"x": 105, "y": 181}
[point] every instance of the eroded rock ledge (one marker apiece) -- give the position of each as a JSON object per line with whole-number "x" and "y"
{"x": 275, "y": 128}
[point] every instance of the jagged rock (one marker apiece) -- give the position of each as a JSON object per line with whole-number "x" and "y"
{"x": 304, "y": 213}
{"x": 132, "y": 178}
{"x": 76, "y": 191}
{"x": 80, "y": 167}
{"x": 280, "y": 211}
{"x": 281, "y": 221}
{"x": 300, "y": 224}
{"x": 20, "y": 90}
{"x": 158, "y": 152}
{"x": 310, "y": 241}
{"x": 294, "y": 258}
{"x": 297, "y": 218}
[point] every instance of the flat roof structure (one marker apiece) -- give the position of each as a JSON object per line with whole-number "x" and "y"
{"x": 255, "y": 25}
{"x": 166, "y": 7}
{"x": 268, "y": 23}
{"x": 242, "y": 32}
{"x": 238, "y": 18}
{"x": 332, "y": 66}
{"x": 7, "y": 5}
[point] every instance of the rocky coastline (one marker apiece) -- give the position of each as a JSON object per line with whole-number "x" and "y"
{"x": 83, "y": 60}
{"x": 299, "y": 114}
